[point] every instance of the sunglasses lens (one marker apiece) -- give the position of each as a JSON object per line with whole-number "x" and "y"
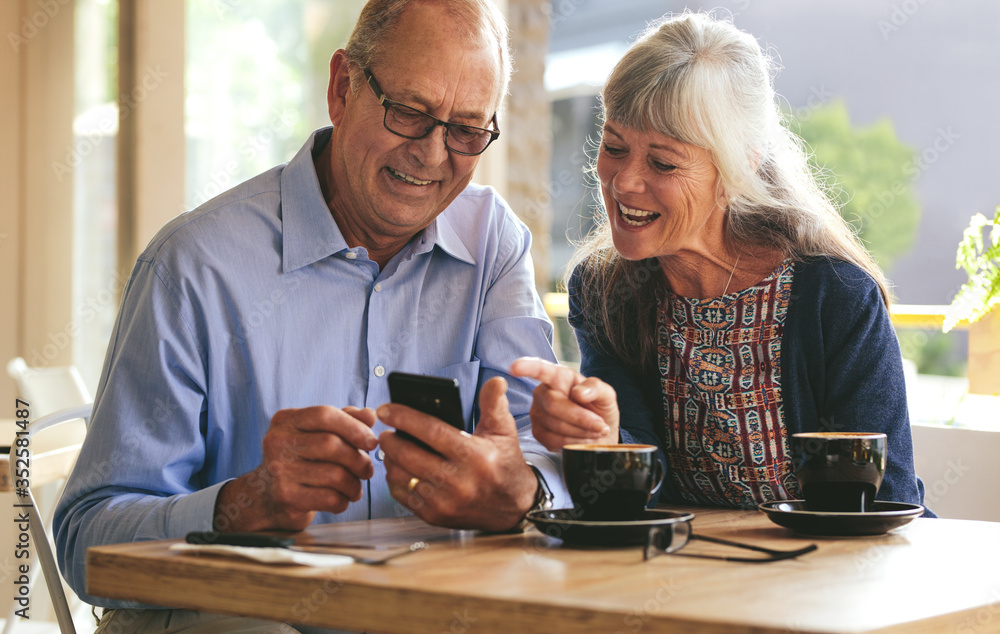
{"x": 667, "y": 539}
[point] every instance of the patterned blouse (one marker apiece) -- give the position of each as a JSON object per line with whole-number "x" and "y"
{"x": 720, "y": 369}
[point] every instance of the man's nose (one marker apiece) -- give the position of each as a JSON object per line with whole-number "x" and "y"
{"x": 431, "y": 150}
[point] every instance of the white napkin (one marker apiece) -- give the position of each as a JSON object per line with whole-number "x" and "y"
{"x": 267, "y": 555}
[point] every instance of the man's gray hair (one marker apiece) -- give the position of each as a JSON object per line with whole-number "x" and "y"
{"x": 481, "y": 21}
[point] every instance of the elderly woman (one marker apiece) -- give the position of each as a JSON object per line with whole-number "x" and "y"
{"x": 724, "y": 304}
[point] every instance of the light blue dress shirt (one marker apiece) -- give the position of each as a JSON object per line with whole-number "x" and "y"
{"x": 254, "y": 303}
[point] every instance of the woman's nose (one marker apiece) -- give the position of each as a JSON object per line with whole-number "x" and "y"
{"x": 630, "y": 178}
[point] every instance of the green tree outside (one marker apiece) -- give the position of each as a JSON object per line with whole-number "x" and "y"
{"x": 870, "y": 173}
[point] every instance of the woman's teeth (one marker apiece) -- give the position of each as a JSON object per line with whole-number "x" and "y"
{"x": 406, "y": 178}
{"x": 637, "y": 217}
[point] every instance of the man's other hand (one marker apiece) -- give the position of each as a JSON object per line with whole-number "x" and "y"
{"x": 314, "y": 460}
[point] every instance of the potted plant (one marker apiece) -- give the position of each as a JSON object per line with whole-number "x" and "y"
{"x": 977, "y": 300}
{"x": 958, "y": 464}
{"x": 981, "y": 293}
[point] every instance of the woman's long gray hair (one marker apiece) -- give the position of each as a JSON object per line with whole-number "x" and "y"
{"x": 700, "y": 80}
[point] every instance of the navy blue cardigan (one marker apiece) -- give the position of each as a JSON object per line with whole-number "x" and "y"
{"x": 841, "y": 370}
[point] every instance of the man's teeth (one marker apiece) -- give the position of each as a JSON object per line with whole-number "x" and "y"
{"x": 637, "y": 217}
{"x": 407, "y": 178}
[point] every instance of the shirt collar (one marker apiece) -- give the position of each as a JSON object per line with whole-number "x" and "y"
{"x": 442, "y": 232}
{"x": 309, "y": 232}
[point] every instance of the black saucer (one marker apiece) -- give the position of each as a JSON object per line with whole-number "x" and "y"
{"x": 565, "y": 525}
{"x": 883, "y": 517}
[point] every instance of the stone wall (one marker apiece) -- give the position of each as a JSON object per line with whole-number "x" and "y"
{"x": 527, "y": 126}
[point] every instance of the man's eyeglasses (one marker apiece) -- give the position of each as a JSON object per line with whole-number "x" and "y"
{"x": 410, "y": 123}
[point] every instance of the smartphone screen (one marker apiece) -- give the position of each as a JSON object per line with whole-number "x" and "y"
{"x": 432, "y": 395}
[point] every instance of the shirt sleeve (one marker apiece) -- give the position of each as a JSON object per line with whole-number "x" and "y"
{"x": 136, "y": 476}
{"x": 513, "y": 325}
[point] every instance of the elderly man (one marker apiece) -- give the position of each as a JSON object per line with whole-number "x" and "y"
{"x": 257, "y": 332}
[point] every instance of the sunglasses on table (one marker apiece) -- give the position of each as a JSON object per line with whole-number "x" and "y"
{"x": 668, "y": 539}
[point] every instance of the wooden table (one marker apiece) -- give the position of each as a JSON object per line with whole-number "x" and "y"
{"x": 929, "y": 576}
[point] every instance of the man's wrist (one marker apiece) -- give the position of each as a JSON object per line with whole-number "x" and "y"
{"x": 542, "y": 501}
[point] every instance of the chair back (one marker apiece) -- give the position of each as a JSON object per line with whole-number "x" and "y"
{"x": 55, "y": 463}
{"x": 48, "y": 389}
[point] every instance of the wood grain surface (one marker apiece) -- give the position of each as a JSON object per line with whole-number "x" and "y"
{"x": 929, "y": 576}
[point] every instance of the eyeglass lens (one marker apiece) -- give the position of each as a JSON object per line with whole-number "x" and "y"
{"x": 408, "y": 122}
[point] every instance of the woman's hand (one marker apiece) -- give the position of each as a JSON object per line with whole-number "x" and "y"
{"x": 568, "y": 407}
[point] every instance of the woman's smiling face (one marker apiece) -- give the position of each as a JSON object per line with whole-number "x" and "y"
{"x": 662, "y": 195}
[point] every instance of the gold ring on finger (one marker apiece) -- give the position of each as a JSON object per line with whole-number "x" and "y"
{"x": 412, "y": 484}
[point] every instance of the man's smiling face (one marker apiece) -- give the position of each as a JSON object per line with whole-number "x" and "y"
{"x": 386, "y": 188}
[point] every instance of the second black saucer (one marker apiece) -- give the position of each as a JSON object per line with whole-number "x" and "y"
{"x": 883, "y": 517}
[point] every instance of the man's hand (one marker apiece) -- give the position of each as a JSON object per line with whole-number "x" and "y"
{"x": 314, "y": 460}
{"x": 478, "y": 481}
{"x": 568, "y": 407}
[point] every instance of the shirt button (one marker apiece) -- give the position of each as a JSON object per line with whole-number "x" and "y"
{"x": 380, "y": 455}
{"x": 378, "y": 287}
{"x": 379, "y": 370}
{"x": 350, "y": 255}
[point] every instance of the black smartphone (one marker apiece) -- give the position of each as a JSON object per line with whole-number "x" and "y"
{"x": 432, "y": 395}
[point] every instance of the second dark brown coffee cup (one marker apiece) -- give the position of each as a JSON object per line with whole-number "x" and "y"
{"x": 839, "y": 471}
{"x": 611, "y": 482}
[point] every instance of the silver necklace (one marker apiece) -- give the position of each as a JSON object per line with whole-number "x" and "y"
{"x": 733, "y": 272}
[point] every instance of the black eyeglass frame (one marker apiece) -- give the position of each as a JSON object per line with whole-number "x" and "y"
{"x": 388, "y": 103}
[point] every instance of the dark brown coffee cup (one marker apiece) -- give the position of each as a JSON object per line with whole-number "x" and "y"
{"x": 611, "y": 482}
{"x": 839, "y": 471}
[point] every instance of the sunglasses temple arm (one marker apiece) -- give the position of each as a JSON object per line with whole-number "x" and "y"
{"x": 751, "y": 560}
{"x": 774, "y": 555}
{"x": 652, "y": 550}
{"x": 760, "y": 549}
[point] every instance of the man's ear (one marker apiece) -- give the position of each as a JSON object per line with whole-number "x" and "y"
{"x": 340, "y": 85}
